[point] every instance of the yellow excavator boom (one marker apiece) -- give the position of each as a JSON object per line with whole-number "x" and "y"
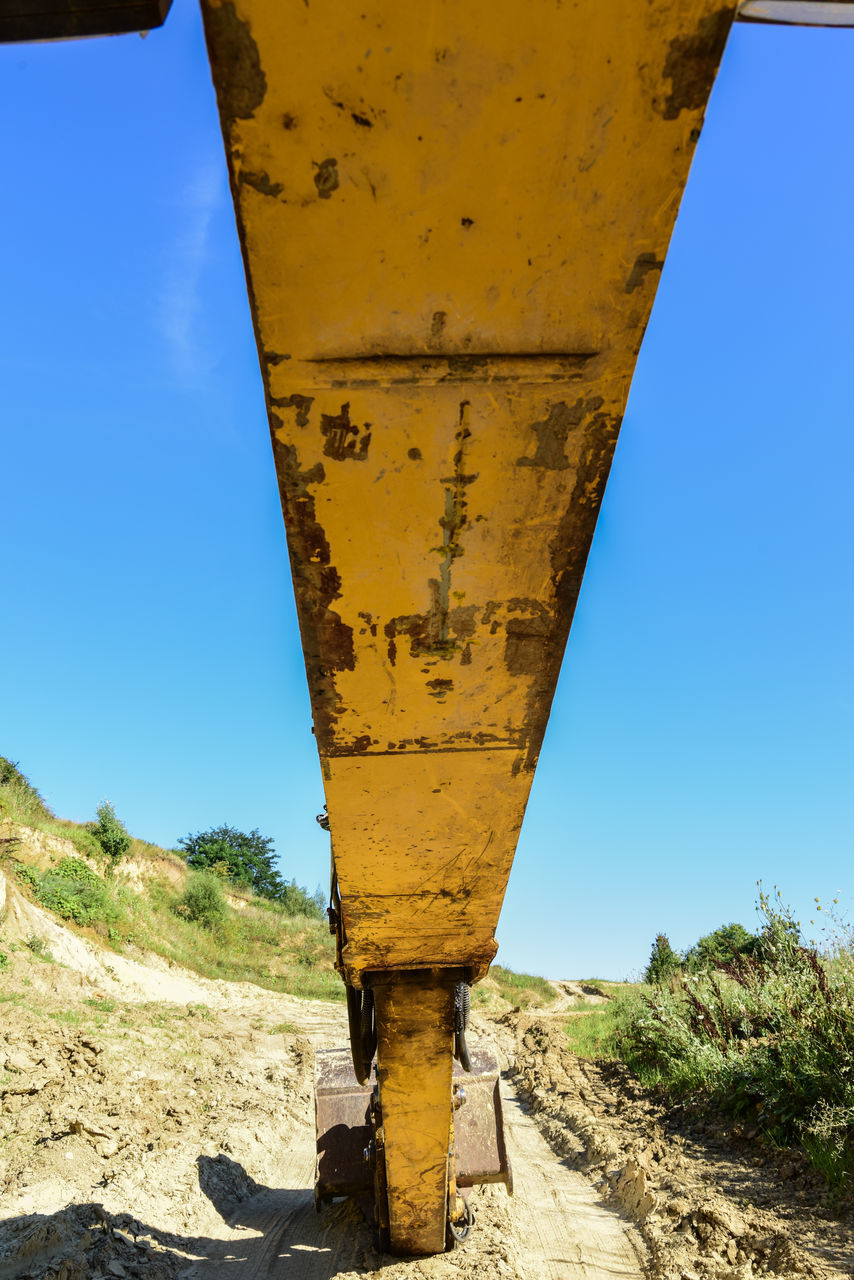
{"x": 453, "y": 220}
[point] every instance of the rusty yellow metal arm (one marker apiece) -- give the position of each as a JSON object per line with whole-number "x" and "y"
{"x": 453, "y": 220}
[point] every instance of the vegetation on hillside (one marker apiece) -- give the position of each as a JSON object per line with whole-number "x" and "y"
{"x": 282, "y": 945}
{"x": 21, "y": 802}
{"x": 246, "y": 861}
{"x": 522, "y": 990}
{"x": 278, "y": 940}
{"x": 765, "y": 1035}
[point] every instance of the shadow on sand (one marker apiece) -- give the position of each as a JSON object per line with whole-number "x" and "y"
{"x": 268, "y": 1233}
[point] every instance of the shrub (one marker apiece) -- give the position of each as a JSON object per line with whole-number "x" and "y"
{"x": 110, "y": 833}
{"x": 299, "y": 902}
{"x": 203, "y": 900}
{"x": 39, "y": 947}
{"x": 247, "y": 861}
{"x": 75, "y": 892}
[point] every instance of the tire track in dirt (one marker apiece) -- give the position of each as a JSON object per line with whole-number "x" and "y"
{"x": 560, "y": 1218}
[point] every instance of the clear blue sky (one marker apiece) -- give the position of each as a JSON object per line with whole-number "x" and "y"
{"x": 702, "y": 736}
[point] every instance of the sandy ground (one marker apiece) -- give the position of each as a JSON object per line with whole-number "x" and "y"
{"x": 155, "y": 1124}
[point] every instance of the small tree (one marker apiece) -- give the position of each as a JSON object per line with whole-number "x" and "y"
{"x": 663, "y": 961}
{"x": 246, "y": 859}
{"x": 110, "y": 833}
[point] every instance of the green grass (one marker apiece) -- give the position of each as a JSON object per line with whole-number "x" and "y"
{"x": 104, "y": 1005}
{"x": 596, "y": 1034}
{"x": 604, "y": 986}
{"x": 523, "y": 989}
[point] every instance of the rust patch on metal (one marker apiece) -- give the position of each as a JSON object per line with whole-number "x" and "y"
{"x": 437, "y": 328}
{"x": 462, "y": 621}
{"x": 535, "y": 646}
{"x": 692, "y": 62}
{"x": 342, "y": 440}
{"x": 552, "y": 433}
{"x": 236, "y": 65}
{"x": 439, "y": 687}
{"x": 260, "y": 181}
{"x": 466, "y": 365}
{"x": 302, "y": 405}
{"x": 644, "y": 263}
{"x": 454, "y": 519}
{"x": 326, "y": 178}
{"x": 327, "y": 640}
{"x": 438, "y": 632}
{"x": 525, "y": 640}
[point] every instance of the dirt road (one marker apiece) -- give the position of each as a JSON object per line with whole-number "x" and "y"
{"x": 159, "y": 1125}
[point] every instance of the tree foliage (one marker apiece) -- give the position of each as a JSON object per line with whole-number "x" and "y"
{"x": 245, "y": 860}
{"x": 663, "y": 961}
{"x": 719, "y": 947}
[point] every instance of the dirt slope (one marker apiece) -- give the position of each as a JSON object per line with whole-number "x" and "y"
{"x": 156, "y": 1124}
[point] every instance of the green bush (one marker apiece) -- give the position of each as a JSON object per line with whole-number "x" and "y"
{"x": 75, "y": 892}
{"x": 247, "y": 862}
{"x": 25, "y": 874}
{"x": 203, "y": 900}
{"x": 110, "y": 833}
{"x": 39, "y": 947}
{"x": 299, "y": 902}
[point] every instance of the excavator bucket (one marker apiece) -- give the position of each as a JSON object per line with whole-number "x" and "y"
{"x": 345, "y": 1112}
